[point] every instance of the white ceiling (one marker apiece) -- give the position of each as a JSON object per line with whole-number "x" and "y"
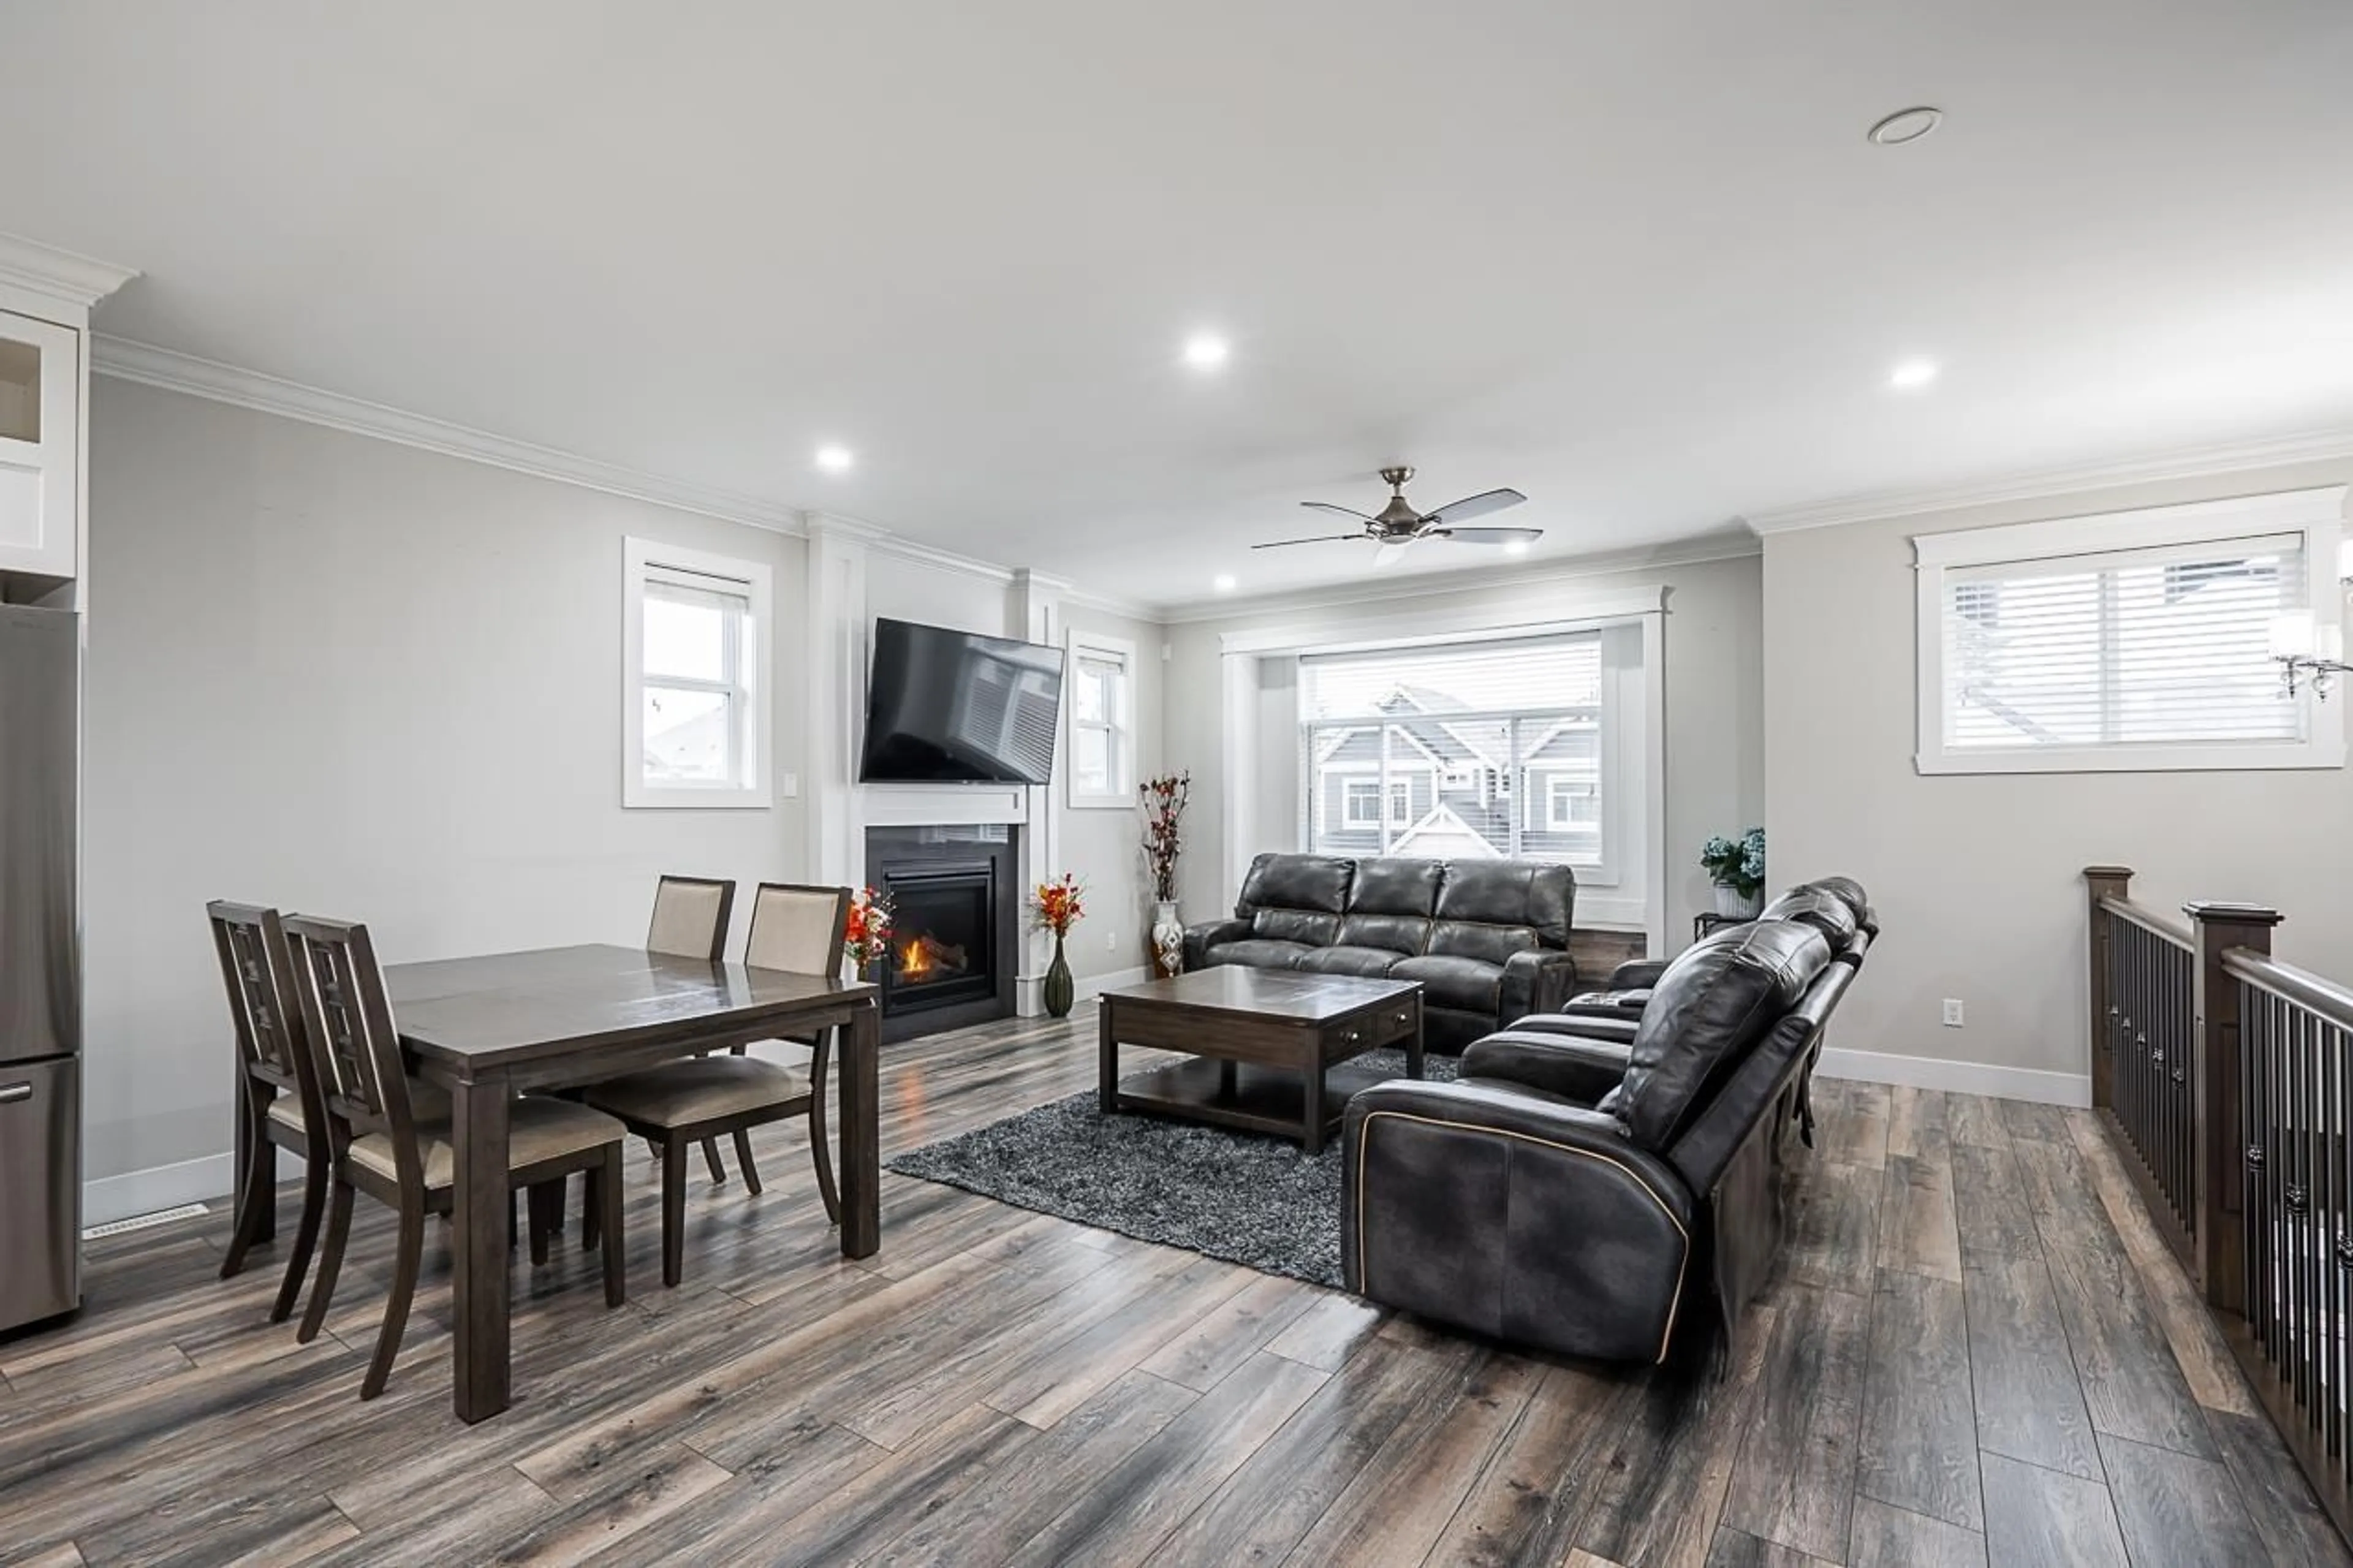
{"x": 1636, "y": 259}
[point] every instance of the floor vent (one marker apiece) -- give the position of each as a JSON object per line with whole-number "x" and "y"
{"x": 140, "y": 1222}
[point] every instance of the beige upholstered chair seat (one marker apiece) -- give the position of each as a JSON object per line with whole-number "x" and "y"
{"x": 537, "y": 1129}
{"x": 286, "y": 1111}
{"x": 681, "y": 1094}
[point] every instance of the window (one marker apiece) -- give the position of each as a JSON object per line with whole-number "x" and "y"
{"x": 2131, "y": 641}
{"x": 1102, "y": 721}
{"x": 694, "y": 732}
{"x": 1450, "y": 736}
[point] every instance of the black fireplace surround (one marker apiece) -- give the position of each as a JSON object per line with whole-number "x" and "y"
{"x": 955, "y": 943}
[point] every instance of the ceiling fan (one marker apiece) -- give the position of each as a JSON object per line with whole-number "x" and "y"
{"x": 1397, "y": 525}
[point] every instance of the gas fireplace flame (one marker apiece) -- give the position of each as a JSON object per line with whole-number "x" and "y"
{"x": 915, "y": 959}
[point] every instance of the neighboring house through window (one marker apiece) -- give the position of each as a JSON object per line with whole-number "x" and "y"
{"x": 1442, "y": 735}
{"x": 694, "y": 732}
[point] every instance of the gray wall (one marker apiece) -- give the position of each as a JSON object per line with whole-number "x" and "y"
{"x": 334, "y": 674}
{"x": 1978, "y": 878}
{"x": 1714, "y": 695}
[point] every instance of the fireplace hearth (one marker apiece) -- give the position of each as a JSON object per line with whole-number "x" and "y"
{"x": 955, "y": 948}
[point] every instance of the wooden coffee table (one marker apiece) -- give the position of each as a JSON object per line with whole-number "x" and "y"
{"x": 1265, "y": 1044}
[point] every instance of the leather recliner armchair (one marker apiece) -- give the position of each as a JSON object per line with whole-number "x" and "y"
{"x": 1487, "y": 939}
{"x": 1590, "y": 1197}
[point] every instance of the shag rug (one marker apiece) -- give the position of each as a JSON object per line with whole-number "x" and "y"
{"x": 1251, "y": 1199}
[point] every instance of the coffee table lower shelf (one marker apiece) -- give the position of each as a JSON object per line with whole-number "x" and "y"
{"x": 1243, "y": 1095}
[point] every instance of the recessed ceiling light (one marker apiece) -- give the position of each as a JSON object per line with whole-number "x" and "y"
{"x": 1517, "y": 547}
{"x": 1206, "y": 350}
{"x": 1906, "y": 125}
{"x": 1912, "y": 374}
{"x": 834, "y": 459}
{"x": 1224, "y": 582}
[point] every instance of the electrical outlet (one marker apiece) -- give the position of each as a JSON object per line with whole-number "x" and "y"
{"x": 1953, "y": 1018}
{"x": 1111, "y": 941}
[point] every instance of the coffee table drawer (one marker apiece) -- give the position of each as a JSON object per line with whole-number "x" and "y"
{"x": 1391, "y": 1023}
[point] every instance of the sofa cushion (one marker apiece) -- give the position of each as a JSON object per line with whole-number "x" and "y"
{"x": 1369, "y": 962}
{"x": 1824, "y": 910}
{"x": 1312, "y": 927}
{"x": 1451, "y": 981}
{"x": 1399, "y": 934}
{"x": 1315, "y": 882}
{"x": 1257, "y": 953}
{"x": 1714, "y": 1001}
{"x": 1396, "y": 886}
{"x": 1509, "y": 893}
{"x": 1487, "y": 944}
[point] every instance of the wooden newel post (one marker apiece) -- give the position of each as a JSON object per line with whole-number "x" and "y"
{"x": 2220, "y": 1195}
{"x": 2102, "y": 882}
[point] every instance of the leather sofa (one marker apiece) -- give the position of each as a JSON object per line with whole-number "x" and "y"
{"x": 1597, "y": 1196}
{"x": 1487, "y": 939}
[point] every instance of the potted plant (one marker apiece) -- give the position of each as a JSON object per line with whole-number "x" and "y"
{"x": 1058, "y": 905}
{"x": 1736, "y": 867}
{"x": 866, "y": 935}
{"x": 1164, "y": 815}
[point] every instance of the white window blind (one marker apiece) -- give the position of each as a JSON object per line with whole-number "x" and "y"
{"x": 1459, "y": 751}
{"x": 2157, "y": 647}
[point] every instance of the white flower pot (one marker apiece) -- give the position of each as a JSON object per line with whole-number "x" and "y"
{"x": 1734, "y": 904}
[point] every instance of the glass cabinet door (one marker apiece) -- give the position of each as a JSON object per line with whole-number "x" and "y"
{"x": 40, "y": 385}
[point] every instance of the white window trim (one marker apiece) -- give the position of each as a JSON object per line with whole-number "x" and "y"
{"x": 2317, "y": 514}
{"x": 1560, "y": 812}
{"x": 1103, "y": 649}
{"x": 641, "y": 558}
{"x": 1351, "y": 819}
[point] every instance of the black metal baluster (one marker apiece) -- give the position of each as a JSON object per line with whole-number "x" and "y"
{"x": 2254, "y": 1113}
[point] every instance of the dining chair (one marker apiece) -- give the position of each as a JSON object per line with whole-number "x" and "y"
{"x": 380, "y": 1145}
{"x": 691, "y": 916}
{"x": 680, "y": 1103}
{"x": 278, "y": 1097}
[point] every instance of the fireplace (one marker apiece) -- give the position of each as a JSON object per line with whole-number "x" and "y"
{"x": 954, "y": 947}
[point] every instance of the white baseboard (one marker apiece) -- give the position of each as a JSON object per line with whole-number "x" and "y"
{"x": 1961, "y": 1078}
{"x": 1095, "y": 984}
{"x": 197, "y": 1181}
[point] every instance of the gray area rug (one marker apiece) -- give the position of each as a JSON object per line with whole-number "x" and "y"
{"x": 1253, "y": 1200}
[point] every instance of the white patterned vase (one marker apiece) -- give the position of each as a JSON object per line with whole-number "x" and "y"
{"x": 1734, "y": 905}
{"x": 1167, "y": 939}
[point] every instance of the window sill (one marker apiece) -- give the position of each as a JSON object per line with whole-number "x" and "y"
{"x": 657, "y": 797}
{"x": 2136, "y": 759}
{"x": 1101, "y": 801}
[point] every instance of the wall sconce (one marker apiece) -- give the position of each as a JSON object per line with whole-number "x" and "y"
{"x": 2308, "y": 652}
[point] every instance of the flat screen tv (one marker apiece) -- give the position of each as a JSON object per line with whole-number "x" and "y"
{"x": 949, "y": 707}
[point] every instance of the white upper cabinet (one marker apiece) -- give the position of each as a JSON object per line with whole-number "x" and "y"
{"x": 40, "y": 444}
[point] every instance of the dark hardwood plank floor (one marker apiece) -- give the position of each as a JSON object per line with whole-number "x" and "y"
{"x": 1977, "y": 1353}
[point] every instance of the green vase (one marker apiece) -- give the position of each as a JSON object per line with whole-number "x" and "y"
{"x": 1060, "y": 992}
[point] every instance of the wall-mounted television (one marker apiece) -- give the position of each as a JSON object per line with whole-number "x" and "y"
{"x": 950, "y": 707}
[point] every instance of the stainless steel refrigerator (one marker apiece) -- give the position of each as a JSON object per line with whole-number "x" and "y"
{"x": 40, "y": 980}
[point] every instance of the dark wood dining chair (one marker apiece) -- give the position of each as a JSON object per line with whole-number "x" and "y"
{"x": 277, "y": 1098}
{"x": 380, "y": 1146}
{"x": 680, "y": 1103}
{"x": 691, "y": 916}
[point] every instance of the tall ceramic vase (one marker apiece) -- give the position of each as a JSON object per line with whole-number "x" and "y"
{"x": 1058, "y": 991}
{"x": 1167, "y": 939}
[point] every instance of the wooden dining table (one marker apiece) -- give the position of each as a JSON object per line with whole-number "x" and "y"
{"x": 489, "y": 1027}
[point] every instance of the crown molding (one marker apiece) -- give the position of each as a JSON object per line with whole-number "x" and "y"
{"x": 1686, "y": 552}
{"x": 2179, "y": 463}
{"x": 176, "y": 371}
{"x": 79, "y": 280}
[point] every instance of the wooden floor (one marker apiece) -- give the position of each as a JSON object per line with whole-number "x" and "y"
{"x": 1978, "y": 1352}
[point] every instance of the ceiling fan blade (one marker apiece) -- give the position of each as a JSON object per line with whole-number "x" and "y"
{"x": 1319, "y": 539}
{"x": 1469, "y": 507}
{"x": 1338, "y": 511}
{"x": 1390, "y": 550}
{"x": 1490, "y": 535}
